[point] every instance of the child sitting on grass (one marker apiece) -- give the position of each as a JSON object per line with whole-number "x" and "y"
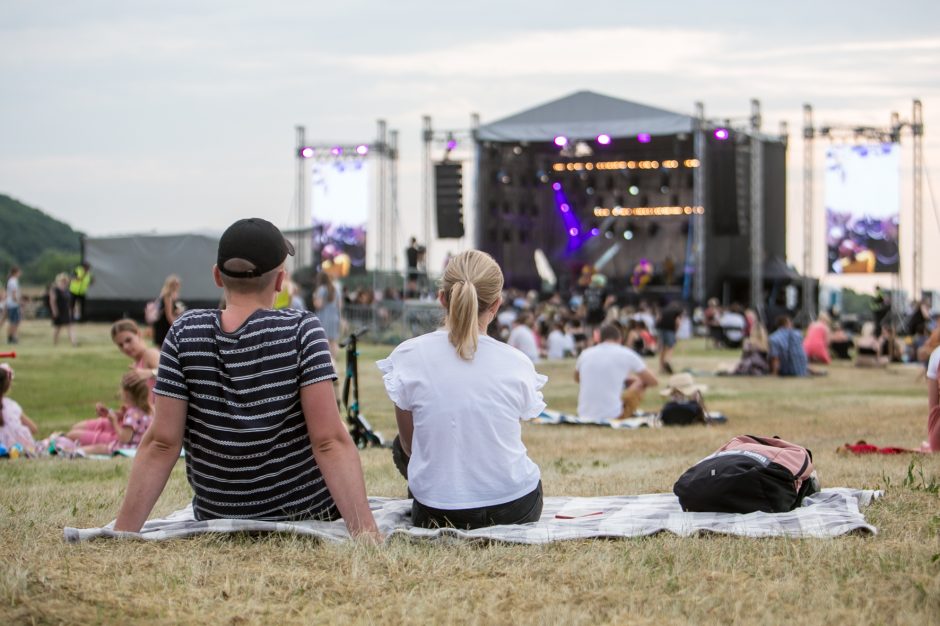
{"x": 15, "y": 426}
{"x": 117, "y": 429}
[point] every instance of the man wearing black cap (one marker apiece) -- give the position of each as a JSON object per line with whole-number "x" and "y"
{"x": 248, "y": 392}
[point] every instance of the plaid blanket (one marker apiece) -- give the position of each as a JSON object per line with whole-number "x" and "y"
{"x": 639, "y": 419}
{"x": 829, "y": 513}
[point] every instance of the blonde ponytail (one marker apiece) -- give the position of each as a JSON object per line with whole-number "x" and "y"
{"x": 464, "y": 319}
{"x": 472, "y": 282}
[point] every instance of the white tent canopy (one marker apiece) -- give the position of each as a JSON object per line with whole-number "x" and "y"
{"x": 585, "y": 115}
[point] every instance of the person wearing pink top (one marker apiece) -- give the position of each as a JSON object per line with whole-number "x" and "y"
{"x": 816, "y": 342}
{"x": 933, "y": 403}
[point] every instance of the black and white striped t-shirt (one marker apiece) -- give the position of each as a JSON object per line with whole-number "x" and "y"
{"x": 248, "y": 452}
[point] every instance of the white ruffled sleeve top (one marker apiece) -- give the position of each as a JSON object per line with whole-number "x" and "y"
{"x": 467, "y": 450}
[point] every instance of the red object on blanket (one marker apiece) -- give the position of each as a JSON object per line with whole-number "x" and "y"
{"x": 862, "y": 447}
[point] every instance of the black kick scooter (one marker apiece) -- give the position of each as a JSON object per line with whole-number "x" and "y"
{"x": 359, "y": 428}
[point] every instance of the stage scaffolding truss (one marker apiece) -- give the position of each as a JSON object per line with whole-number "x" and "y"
{"x": 384, "y": 148}
{"x": 892, "y": 133}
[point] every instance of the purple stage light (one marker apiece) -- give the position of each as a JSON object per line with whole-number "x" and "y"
{"x": 336, "y": 151}
{"x": 556, "y": 186}
{"x": 644, "y": 138}
{"x": 721, "y": 134}
{"x": 573, "y": 232}
{"x": 306, "y": 152}
{"x": 561, "y": 141}
{"x": 451, "y": 144}
{"x": 603, "y": 140}
{"x": 595, "y": 232}
{"x": 362, "y": 149}
{"x": 565, "y": 208}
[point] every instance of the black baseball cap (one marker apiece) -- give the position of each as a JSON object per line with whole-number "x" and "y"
{"x": 255, "y": 240}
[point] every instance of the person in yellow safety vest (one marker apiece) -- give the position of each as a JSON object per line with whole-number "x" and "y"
{"x": 78, "y": 287}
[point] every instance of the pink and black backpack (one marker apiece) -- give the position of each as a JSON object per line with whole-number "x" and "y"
{"x": 749, "y": 474}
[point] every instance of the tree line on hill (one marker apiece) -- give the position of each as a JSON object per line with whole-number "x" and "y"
{"x": 41, "y": 245}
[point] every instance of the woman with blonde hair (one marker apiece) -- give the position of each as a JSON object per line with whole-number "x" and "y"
{"x": 169, "y": 303}
{"x": 460, "y": 397}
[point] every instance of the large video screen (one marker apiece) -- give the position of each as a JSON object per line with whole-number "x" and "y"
{"x": 862, "y": 205}
{"x": 340, "y": 207}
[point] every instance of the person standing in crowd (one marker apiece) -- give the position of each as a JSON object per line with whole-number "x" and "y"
{"x": 60, "y": 308}
{"x": 522, "y": 337}
{"x": 412, "y": 253}
{"x": 273, "y": 430}
{"x": 667, "y": 325}
{"x": 14, "y": 297}
{"x": 327, "y": 303}
{"x": 460, "y": 397}
{"x": 169, "y": 300}
{"x": 78, "y": 287}
{"x": 880, "y": 308}
{"x": 786, "y": 350}
{"x": 603, "y": 370}
{"x": 594, "y": 297}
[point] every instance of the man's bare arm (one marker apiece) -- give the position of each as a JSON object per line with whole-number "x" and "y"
{"x": 646, "y": 377}
{"x": 156, "y": 455}
{"x": 338, "y": 457}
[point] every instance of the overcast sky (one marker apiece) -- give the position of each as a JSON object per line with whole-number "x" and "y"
{"x": 120, "y": 116}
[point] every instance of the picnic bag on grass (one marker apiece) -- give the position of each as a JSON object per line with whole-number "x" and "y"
{"x": 678, "y": 413}
{"x": 749, "y": 474}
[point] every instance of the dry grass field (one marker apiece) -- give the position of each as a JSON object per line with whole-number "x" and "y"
{"x": 891, "y": 578}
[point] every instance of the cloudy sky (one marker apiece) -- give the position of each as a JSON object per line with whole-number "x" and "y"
{"x": 120, "y": 116}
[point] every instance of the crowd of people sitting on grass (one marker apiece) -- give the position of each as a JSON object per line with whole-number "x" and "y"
{"x": 459, "y": 395}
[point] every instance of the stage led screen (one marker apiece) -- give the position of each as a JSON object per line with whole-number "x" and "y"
{"x": 862, "y": 205}
{"x": 340, "y": 192}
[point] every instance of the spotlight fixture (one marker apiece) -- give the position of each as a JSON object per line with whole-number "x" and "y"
{"x": 603, "y": 139}
{"x": 561, "y": 141}
{"x": 362, "y": 149}
{"x": 644, "y": 138}
{"x": 628, "y": 234}
{"x": 306, "y": 152}
{"x": 573, "y": 232}
{"x": 556, "y": 186}
{"x": 336, "y": 151}
{"x": 721, "y": 134}
{"x": 634, "y": 190}
{"x": 595, "y": 232}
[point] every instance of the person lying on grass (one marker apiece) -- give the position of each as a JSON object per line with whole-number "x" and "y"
{"x": 248, "y": 391}
{"x": 459, "y": 400}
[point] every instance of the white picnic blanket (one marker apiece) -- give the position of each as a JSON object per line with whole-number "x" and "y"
{"x": 639, "y": 419}
{"x": 829, "y": 513}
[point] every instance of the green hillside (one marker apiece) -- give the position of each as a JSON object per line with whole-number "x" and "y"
{"x": 41, "y": 245}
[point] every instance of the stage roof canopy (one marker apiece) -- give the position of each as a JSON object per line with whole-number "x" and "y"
{"x": 585, "y": 115}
